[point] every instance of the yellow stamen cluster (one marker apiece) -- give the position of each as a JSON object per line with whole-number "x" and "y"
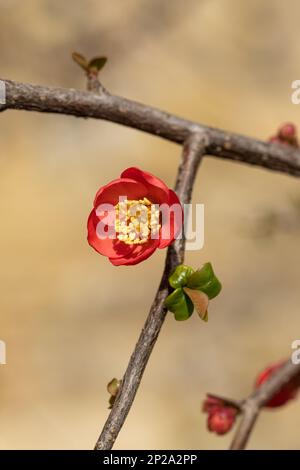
{"x": 136, "y": 221}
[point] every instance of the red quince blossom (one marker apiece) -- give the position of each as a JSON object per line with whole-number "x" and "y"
{"x": 287, "y": 393}
{"x": 221, "y": 417}
{"x": 133, "y": 216}
{"x": 221, "y": 420}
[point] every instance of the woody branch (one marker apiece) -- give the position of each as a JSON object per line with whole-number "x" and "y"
{"x": 112, "y": 108}
{"x": 198, "y": 140}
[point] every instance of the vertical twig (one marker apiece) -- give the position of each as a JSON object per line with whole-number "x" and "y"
{"x": 250, "y": 414}
{"x": 193, "y": 150}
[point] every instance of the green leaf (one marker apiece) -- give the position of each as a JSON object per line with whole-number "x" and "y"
{"x": 179, "y": 304}
{"x": 97, "y": 63}
{"x": 80, "y": 60}
{"x": 206, "y": 281}
{"x": 200, "y": 301}
{"x": 180, "y": 276}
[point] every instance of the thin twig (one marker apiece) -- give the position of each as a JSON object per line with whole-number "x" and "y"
{"x": 145, "y": 118}
{"x": 255, "y": 402}
{"x": 193, "y": 151}
{"x": 237, "y": 404}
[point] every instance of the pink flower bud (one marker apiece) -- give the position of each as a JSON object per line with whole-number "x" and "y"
{"x": 286, "y": 134}
{"x": 287, "y": 131}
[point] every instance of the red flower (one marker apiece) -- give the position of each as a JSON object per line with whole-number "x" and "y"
{"x": 288, "y": 392}
{"x": 133, "y": 216}
{"x": 221, "y": 417}
{"x": 221, "y": 420}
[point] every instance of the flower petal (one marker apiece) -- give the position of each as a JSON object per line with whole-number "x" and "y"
{"x": 158, "y": 192}
{"x": 140, "y": 253}
{"x": 111, "y": 192}
{"x": 111, "y": 247}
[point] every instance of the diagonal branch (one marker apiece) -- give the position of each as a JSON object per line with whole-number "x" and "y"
{"x": 154, "y": 121}
{"x": 252, "y": 406}
{"x": 193, "y": 151}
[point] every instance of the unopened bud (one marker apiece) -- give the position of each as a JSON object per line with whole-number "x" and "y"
{"x": 287, "y": 131}
{"x": 113, "y": 387}
{"x": 286, "y": 134}
{"x": 221, "y": 420}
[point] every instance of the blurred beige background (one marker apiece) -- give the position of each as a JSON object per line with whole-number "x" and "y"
{"x": 69, "y": 318}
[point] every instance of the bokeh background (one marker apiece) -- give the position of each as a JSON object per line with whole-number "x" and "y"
{"x": 70, "y": 319}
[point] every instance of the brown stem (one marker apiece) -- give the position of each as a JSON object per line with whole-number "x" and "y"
{"x": 145, "y": 118}
{"x": 193, "y": 150}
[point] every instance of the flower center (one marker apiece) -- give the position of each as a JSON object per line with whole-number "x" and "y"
{"x": 136, "y": 221}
